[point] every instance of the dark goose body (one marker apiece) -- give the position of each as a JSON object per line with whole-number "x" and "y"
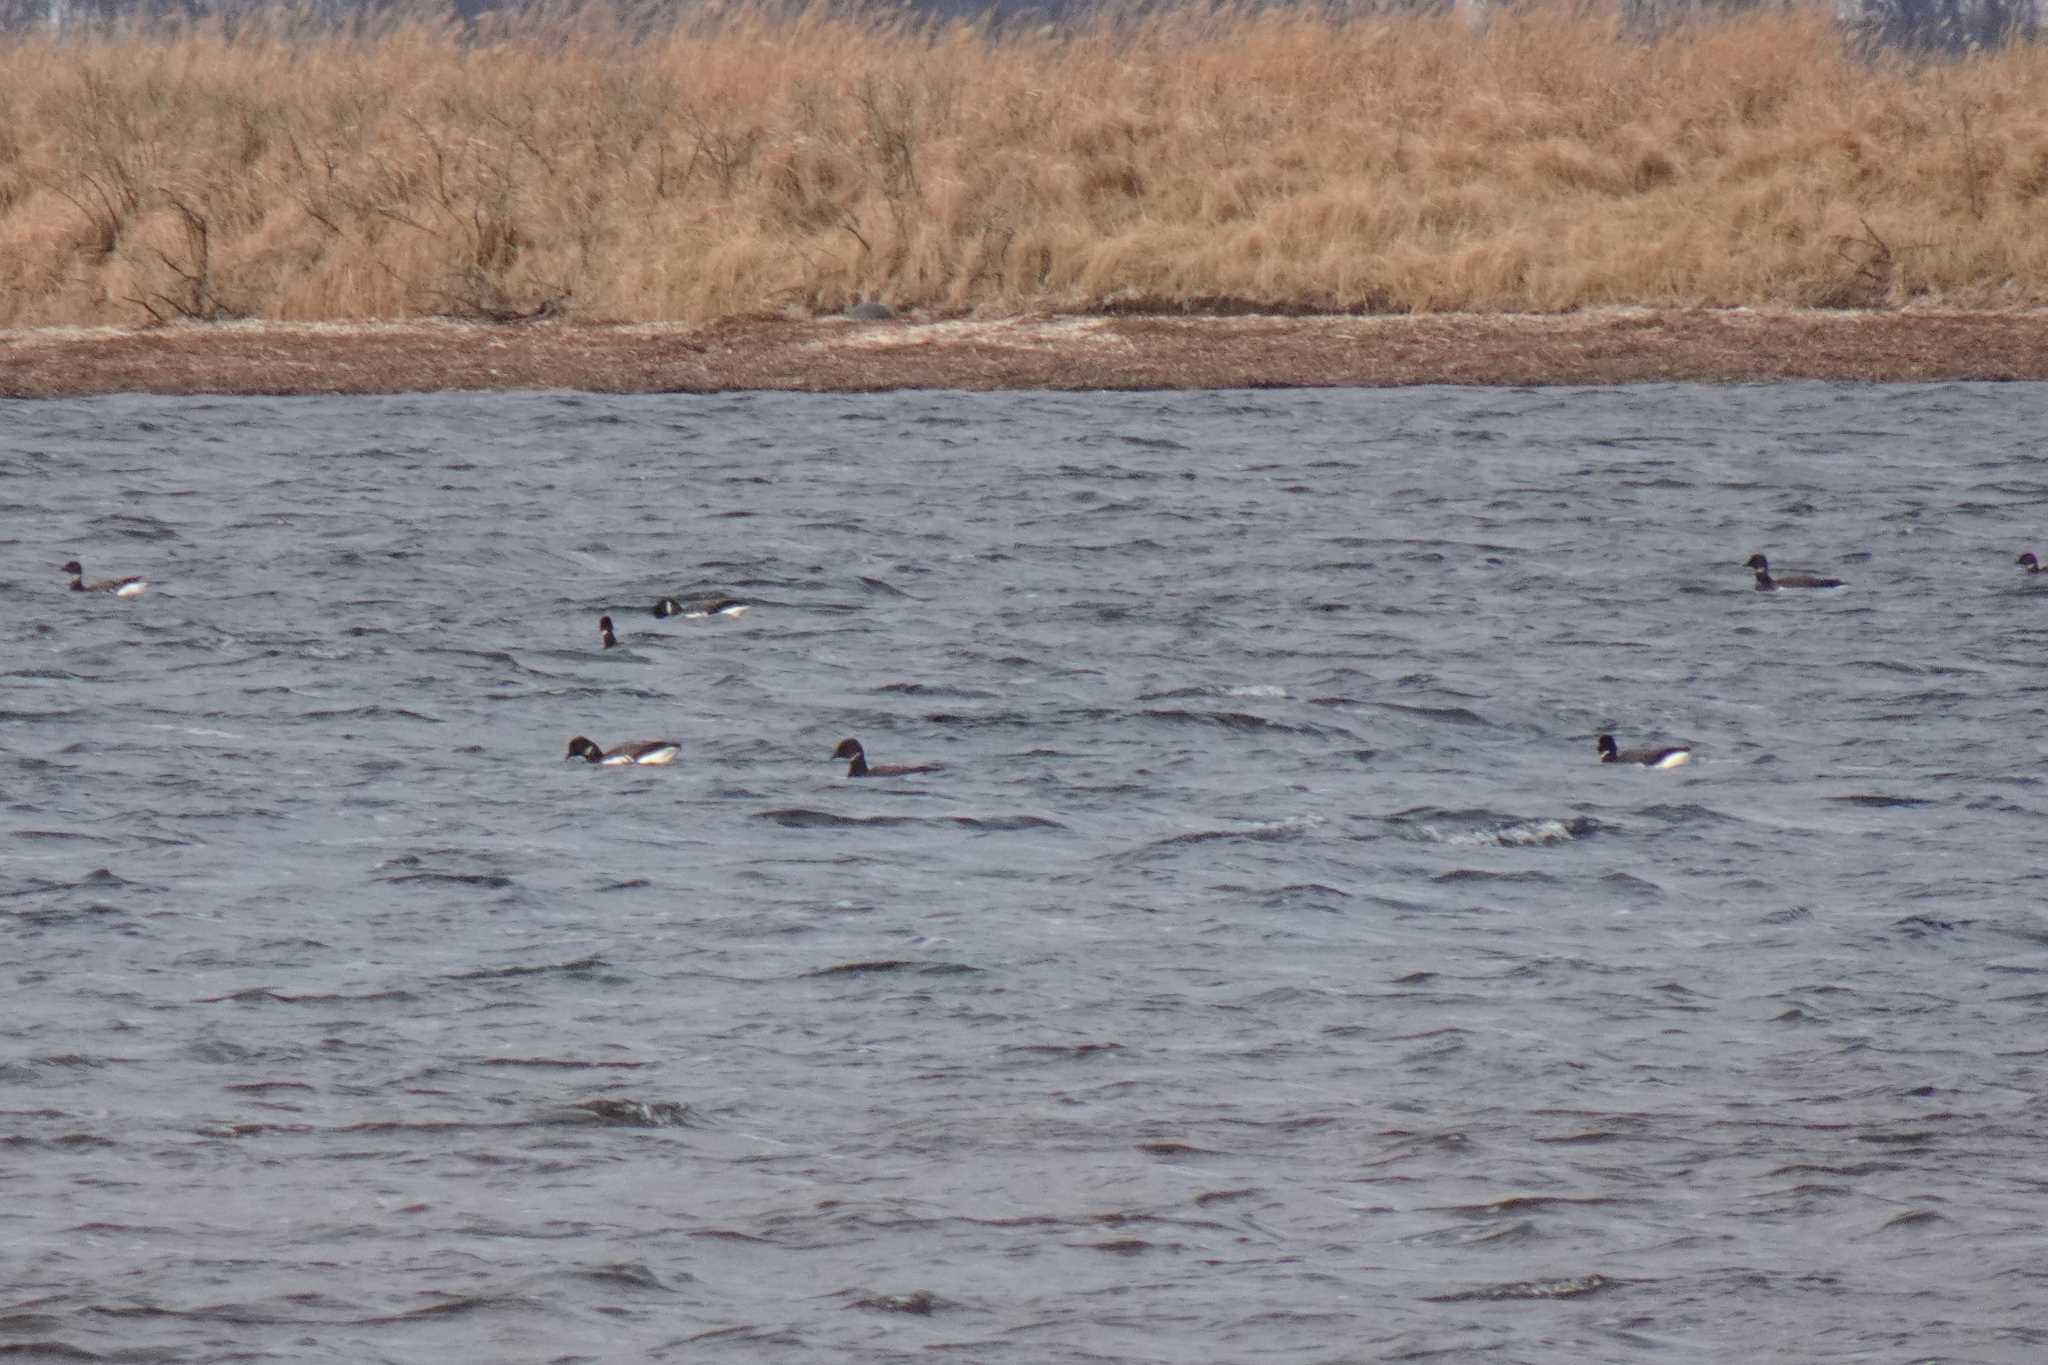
{"x": 128, "y": 588}
{"x": 858, "y": 765}
{"x": 1766, "y": 583}
{"x": 1669, "y": 757}
{"x": 651, "y": 753}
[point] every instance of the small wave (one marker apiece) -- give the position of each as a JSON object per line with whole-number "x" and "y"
{"x": 455, "y": 1308}
{"x": 263, "y": 995}
{"x": 99, "y": 879}
{"x": 49, "y": 1350}
{"x": 1687, "y": 811}
{"x": 1005, "y": 720}
{"x": 1281, "y": 896}
{"x": 1241, "y": 722}
{"x": 1533, "y": 1203}
{"x": 1914, "y": 1218}
{"x": 625, "y": 1113}
{"x": 914, "y": 689}
{"x": 1485, "y": 828}
{"x": 1453, "y": 715}
{"x": 919, "y": 1303}
{"x": 575, "y": 964}
{"x": 134, "y": 528}
{"x": 1121, "y": 1246}
{"x": 1493, "y": 1236}
{"x": 554, "y": 1064}
{"x": 491, "y": 881}
{"x": 369, "y": 713}
{"x": 632, "y": 1275}
{"x": 1276, "y": 831}
{"x": 1575, "y": 1288}
{"x": 802, "y": 817}
{"x": 1474, "y": 874}
{"x": 1920, "y": 926}
{"x": 1249, "y": 691}
{"x": 1880, "y": 800}
{"x": 893, "y": 964}
{"x": 1001, "y": 823}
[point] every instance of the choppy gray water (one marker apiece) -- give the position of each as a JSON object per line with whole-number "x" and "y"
{"x": 1271, "y": 973}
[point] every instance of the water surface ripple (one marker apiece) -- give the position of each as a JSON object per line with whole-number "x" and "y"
{"x": 1271, "y": 973}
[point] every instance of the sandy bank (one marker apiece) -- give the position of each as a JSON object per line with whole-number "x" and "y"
{"x": 835, "y": 355}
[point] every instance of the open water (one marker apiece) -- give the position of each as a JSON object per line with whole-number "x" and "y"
{"x": 1271, "y": 972}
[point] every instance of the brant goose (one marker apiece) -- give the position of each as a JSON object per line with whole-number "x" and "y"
{"x": 2028, "y": 562}
{"x": 857, "y": 765}
{"x": 1669, "y": 757}
{"x": 1766, "y": 583}
{"x": 652, "y": 753}
{"x": 129, "y": 588}
{"x": 604, "y": 632}
{"x": 714, "y": 606}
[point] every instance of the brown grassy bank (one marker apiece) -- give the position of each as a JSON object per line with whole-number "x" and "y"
{"x": 751, "y": 161}
{"x": 1615, "y": 346}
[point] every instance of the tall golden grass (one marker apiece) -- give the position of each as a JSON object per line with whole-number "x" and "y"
{"x": 755, "y": 159}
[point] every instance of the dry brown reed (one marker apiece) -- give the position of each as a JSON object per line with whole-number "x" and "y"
{"x": 751, "y": 159}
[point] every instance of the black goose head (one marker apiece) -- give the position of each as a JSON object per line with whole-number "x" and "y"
{"x": 1605, "y": 744}
{"x": 668, "y": 606}
{"x": 1757, "y": 562}
{"x": 604, "y": 631}
{"x": 580, "y": 747}
{"x": 74, "y": 568}
{"x": 849, "y": 748}
{"x": 2028, "y": 562}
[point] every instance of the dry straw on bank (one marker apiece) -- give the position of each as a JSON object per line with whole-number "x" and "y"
{"x": 752, "y": 159}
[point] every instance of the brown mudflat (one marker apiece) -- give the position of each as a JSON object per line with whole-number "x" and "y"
{"x": 1086, "y": 352}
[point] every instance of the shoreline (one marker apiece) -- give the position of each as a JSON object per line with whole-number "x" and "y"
{"x": 1043, "y": 352}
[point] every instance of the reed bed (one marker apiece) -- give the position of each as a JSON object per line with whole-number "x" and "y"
{"x": 751, "y": 159}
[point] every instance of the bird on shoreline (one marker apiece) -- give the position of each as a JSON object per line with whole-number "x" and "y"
{"x": 128, "y": 589}
{"x": 858, "y": 766}
{"x": 604, "y": 632}
{"x": 648, "y": 753}
{"x": 1766, "y": 583}
{"x": 1669, "y": 757}
{"x": 715, "y": 606}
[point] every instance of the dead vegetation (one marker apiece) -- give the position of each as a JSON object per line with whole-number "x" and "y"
{"x": 1613, "y": 346}
{"x": 604, "y": 166}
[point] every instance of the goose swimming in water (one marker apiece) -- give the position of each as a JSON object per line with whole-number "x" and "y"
{"x": 857, "y": 763}
{"x": 2028, "y": 562}
{"x": 126, "y": 588}
{"x": 1670, "y": 757}
{"x": 649, "y": 753}
{"x": 604, "y": 632}
{"x": 1766, "y": 583}
{"x": 715, "y": 606}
